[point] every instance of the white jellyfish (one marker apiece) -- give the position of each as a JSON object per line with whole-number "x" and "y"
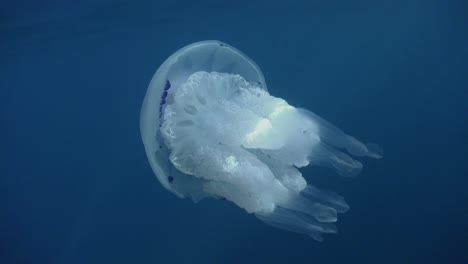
{"x": 211, "y": 129}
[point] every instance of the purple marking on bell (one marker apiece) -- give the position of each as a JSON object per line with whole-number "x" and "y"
{"x": 167, "y": 85}
{"x": 164, "y": 95}
{"x": 170, "y": 179}
{"x": 163, "y": 101}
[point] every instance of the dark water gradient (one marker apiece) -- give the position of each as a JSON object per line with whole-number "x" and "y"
{"x": 75, "y": 185}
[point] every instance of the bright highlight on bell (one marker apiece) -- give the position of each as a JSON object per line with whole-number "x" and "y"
{"x": 211, "y": 129}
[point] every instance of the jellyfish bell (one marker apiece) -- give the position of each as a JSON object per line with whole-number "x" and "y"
{"x": 211, "y": 129}
{"x": 209, "y": 56}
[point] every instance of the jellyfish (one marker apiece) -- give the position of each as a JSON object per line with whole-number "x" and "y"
{"x": 210, "y": 128}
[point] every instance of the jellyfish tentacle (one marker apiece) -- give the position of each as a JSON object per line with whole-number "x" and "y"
{"x": 333, "y": 136}
{"x": 330, "y": 199}
{"x": 327, "y": 156}
{"x": 297, "y": 222}
{"x": 310, "y": 207}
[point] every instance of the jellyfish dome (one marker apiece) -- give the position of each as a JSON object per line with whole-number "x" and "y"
{"x": 211, "y": 129}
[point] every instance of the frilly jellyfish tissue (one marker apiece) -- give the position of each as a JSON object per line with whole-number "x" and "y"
{"x": 211, "y": 129}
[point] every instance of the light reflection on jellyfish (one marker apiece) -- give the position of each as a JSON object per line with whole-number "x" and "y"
{"x": 211, "y": 129}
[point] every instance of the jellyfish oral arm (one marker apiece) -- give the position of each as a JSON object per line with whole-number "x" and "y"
{"x": 247, "y": 146}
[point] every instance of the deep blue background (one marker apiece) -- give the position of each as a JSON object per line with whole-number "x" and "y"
{"x": 75, "y": 184}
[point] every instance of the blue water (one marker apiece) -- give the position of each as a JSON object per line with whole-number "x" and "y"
{"x": 75, "y": 183}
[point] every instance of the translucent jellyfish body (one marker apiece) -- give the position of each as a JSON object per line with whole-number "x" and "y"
{"x": 211, "y": 129}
